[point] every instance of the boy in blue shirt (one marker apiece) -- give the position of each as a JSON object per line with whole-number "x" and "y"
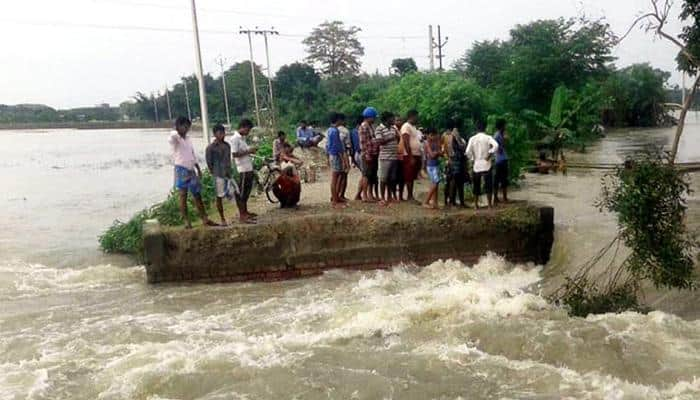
{"x": 337, "y": 158}
{"x": 502, "y": 169}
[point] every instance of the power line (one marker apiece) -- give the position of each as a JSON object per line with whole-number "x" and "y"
{"x": 232, "y": 11}
{"x": 163, "y": 29}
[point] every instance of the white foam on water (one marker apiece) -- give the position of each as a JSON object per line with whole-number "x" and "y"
{"x": 31, "y": 280}
{"x": 132, "y": 350}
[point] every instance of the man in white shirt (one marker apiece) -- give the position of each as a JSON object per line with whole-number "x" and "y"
{"x": 187, "y": 172}
{"x": 480, "y": 150}
{"x": 410, "y": 150}
{"x": 244, "y": 165}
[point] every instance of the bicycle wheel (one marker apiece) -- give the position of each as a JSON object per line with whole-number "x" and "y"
{"x": 262, "y": 177}
{"x": 269, "y": 184}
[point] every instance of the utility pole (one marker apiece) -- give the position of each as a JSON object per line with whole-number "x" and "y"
{"x": 683, "y": 83}
{"x": 439, "y": 45}
{"x": 221, "y": 61}
{"x": 431, "y": 47}
{"x": 252, "y": 73}
{"x": 167, "y": 98}
{"x": 155, "y": 106}
{"x": 200, "y": 76}
{"x": 187, "y": 99}
{"x": 269, "y": 76}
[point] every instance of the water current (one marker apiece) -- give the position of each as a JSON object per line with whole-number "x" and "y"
{"x": 78, "y": 324}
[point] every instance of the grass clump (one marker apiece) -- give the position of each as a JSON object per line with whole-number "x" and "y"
{"x": 127, "y": 237}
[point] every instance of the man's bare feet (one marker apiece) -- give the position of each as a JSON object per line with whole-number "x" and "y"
{"x": 210, "y": 223}
{"x": 338, "y": 205}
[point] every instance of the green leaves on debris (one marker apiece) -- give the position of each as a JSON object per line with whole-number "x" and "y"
{"x": 648, "y": 196}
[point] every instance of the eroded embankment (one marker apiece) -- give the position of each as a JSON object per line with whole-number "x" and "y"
{"x": 307, "y": 244}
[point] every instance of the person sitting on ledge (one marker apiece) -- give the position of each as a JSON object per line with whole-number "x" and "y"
{"x": 187, "y": 172}
{"x": 288, "y": 162}
{"x": 306, "y": 137}
{"x": 287, "y": 187}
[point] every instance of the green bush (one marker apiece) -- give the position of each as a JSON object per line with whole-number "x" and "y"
{"x": 649, "y": 199}
{"x": 127, "y": 237}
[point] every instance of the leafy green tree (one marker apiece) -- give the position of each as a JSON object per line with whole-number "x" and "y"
{"x": 403, "y": 66}
{"x": 690, "y": 12}
{"x": 547, "y": 54}
{"x": 635, "y": 96}
{"x": 335, "y": 49}
{"x": 484, "y": 61}
{"x": 298, "y": 92}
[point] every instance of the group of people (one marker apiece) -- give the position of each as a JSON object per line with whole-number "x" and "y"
{"x": 218, "y": 158}
{"x": 392, "y": 155}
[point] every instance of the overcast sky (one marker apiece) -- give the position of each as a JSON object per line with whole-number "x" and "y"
{"x": 71, "y": 53}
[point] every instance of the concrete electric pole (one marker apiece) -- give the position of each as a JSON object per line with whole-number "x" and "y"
{"x": 252, "y": 73}
{"x": 155, "y": 107}
{"x": 269, "y": 78}
{"x": 439, "y": 45}
{"x": 187, "y": 99}
{"x": 200, "y": 77}
{"x": 431, "y": 47}
{"x": 167, "y": 99}
{"x": 222, "y": 61}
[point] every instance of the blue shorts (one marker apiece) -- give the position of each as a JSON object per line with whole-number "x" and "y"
{"x": 434, "y": 174}
{"x": 186, "y": 179}
{"x": 336, "y": 163}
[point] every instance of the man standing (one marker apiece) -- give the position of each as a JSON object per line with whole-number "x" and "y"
{"x": 411, "y": 152}
{"x": 480, "y": 149}
{"x": 388, "y": 138}
{"x": 306, "y": 137}
{"x": 502, "y": 170}
{"x": 337, "y": 159}
{"x": 187, "y": 172}
{"x": 218, "y": 156}
{"x": 370, "y": 154}
{"x": 244, "y": 164}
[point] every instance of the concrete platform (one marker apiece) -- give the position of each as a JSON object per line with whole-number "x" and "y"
{"x": 302, "y": 244}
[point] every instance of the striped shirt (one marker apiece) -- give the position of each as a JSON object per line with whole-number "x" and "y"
{"x": 388, "y": 151}
{"x": 368, "y": 144}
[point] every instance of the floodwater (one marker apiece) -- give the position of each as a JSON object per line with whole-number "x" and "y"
{"x": 77, "y": 324}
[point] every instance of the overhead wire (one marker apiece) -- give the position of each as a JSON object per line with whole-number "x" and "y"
{"x": 165, "y": 29}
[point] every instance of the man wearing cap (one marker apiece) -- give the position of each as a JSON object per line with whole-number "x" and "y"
{"x": 369, "y": 149}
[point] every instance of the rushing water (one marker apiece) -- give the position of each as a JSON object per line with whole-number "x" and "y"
{"x": 76, "y": 324}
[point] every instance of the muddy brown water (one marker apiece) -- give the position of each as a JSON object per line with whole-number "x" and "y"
{"x": 78, "y": 324}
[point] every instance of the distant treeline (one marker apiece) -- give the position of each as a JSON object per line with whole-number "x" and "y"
{"x": 39, "y": 113}
{"x": 675, "y": 95}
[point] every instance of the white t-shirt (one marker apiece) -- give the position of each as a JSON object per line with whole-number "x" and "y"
{"x": 238, "y": 145}
{"x": 479, "y": 149}
{"x": 183, "y": 151}
{"x": 415, "y": 137}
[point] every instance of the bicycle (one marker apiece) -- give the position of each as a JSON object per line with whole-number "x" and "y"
{"x": 266, "y": 177}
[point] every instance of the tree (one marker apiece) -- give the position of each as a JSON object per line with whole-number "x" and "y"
{"x": 484, "y": 61}
{"x": 298, "y": 90}
{"x": 295, "y": 80}
{"x": 687, "y": 42}
{"x": 335, "y": 49}
{"x": 636, "y": 95}
{"x": 403, "y": 66}
{"x": 549, "y": 53}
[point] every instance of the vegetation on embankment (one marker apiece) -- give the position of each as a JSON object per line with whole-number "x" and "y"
{"x": 127, "y": 236}
{"x": 648, "y": 196}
